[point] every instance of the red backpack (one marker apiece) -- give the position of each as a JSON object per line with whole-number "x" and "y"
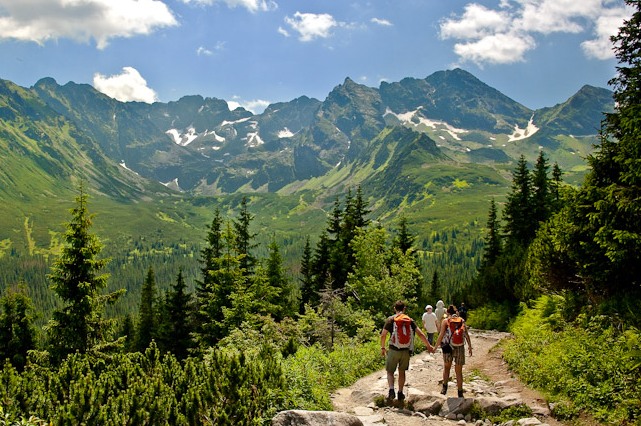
{"x": 402, "y": 334}
{"x": 457, "y": 331}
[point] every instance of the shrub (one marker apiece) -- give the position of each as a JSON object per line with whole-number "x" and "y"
{"x": 587, "y": 362}
{"x": 493, "y": 316}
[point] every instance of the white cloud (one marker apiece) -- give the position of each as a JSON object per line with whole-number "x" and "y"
{"x": 606, "y": 25}
{"x": 283, "y": 31}
{"x": 82, "y": 20}
{"x": 311, "y": 25}
{"x": 208, "y": 51}
{"x": 496, "y": 49}
{"x": 476, "y": 22}
{"x": 252, "y": 5}
{"x": 506, "y": 33}
{"x": 125, "y": 87}
{"x": 383, "y": 22}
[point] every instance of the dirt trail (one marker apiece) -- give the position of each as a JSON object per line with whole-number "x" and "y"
{"x": 426, "y": 371}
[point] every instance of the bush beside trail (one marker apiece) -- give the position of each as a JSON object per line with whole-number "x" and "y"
{"x": 590, "y": 365}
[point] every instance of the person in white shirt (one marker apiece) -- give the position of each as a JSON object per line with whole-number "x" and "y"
{"x": 430, "y": 324}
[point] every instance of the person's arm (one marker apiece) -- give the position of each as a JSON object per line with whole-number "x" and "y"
{"x": 469, "y": 341}
{"x": 441, "y": 334}
{"x": 383, "y": 338}
{"x": 423, "y": 337}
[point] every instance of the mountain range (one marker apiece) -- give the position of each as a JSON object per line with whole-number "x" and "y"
{"x": 199, "y": 146}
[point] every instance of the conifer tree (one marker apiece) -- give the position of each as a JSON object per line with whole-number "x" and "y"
{"x": 309, "y": 293}
{"x": 243, "y": 239}
{"x": 608, "y": 212}
{"x": 541, "y": 198}
{"x": 278, "y": 281}
{"x": 321, "y": 262}
{"x": 492, "y": 248}
{"x": 147, "y": 329}
{"x": 176, "y": 325}
{"x": 435, "y": 288}
{"x": 129, "y": 334}
{"x": 17, "y": 332}
{"x": 404, "y": 240}
{"x": 517, "y": 214}
{"x": 77, "y": 279}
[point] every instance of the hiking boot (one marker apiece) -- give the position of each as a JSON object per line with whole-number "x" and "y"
{"x": 401, "y": 396}
{"x": 460, "y": 393}
{"x": 391, "y": 394}
{"x": 444, "y": 390}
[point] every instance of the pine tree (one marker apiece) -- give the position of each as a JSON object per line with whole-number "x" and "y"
{"x": 541, "y": 198}
{"x": 176, "y": 326}
{"x": 147, "y": 329}
{"x": 608, "y": 212}
{"x": 309, "y": 293}
{"x": 518, "y": 211}
{"x": 77, "y": 279}
{"x": 321, "y": 262}
{"x": 243, "y": 241}
{"x": 279, "y": 282}
{"x": 404, "y": 240}
{"x": 492, "y": 248}
{"x": 17, "y": 332}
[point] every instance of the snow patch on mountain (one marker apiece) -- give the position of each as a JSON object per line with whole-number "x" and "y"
{"x": 520, "y": 134}
{"x": 172, "y": 184}
{"x": 182, "y": 139}
{"x": 413, "y": 118}
{"x": 253, "y": 140}
{"x": 124, "y": 166}
{"x": 285, "y": 133}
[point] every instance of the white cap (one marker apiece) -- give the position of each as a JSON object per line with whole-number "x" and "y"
{"x": 428, "y": 307}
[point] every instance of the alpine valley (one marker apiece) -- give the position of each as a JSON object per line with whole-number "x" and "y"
{"x": 434, "y": 149}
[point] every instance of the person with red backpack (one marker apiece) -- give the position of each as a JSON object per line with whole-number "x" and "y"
{"x": 451, "y": 339}
{"x": 401, "y": 329}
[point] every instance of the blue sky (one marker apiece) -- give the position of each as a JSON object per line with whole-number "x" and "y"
{"x": 256, "y": 52}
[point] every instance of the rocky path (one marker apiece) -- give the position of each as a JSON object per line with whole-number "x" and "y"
{"x": 487, "y": 381}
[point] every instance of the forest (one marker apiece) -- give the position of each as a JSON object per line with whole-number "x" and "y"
{"x": 559, "y": 267}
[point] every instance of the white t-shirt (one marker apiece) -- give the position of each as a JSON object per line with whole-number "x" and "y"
{"x": 429, "y": 322}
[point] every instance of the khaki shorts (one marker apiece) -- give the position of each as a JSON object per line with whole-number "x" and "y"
{"x": 457, "y": 355}
{"x": 396, "y": 358}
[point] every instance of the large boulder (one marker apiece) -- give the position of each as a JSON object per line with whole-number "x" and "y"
{"x": 315, "y": 418}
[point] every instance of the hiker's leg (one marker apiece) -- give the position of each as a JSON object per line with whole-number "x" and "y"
{"x": 458, "y": 369}
{"x": 446, "y": 371}
{"x": 401, "y": 379}
{"x": 390, "y": 380}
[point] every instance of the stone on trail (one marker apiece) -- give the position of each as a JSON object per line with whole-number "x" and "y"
{"x": 315, "y": 418}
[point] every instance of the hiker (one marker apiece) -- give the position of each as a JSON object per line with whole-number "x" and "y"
{"x": 430, "y": 324}
{"x": 401, "y": 329}
{"x": 462, "y": 311}
{"x": 440, "y": 312}
{"x": 452, "y": 338}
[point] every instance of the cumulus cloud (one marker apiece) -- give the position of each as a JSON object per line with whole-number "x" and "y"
{"x": 310, "y": 26}
{"x": 383, "y": 22}
{"x": 101, "y": 20}
{"x": 601, "y": 47}
{"x": 506, "y": 33}
{"x": 209, "y": 51}
{"x": 252, "y": 5}
{"x": 125, "y": 87}
{"x": 256, "y": 106}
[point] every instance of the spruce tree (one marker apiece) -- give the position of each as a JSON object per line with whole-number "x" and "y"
{"x": 404, "y": 240}
{"x": 277, "y": 280}
{"x": 76, "y": 277}
{"x": 541, "y": 197}
{"x": 147, "y": 329}
{"x": 518, "y": 212}
{"x": 492, "y": 248}
{"x": 309, "y": 293}
{"x": 243, "y": 240}
{"x": 17, "y": 332}
{"x": 176, "y": 325}
{"x": 608, "y": 212}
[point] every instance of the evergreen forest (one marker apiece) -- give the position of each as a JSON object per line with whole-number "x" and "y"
{"x": 239, "y": 331}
